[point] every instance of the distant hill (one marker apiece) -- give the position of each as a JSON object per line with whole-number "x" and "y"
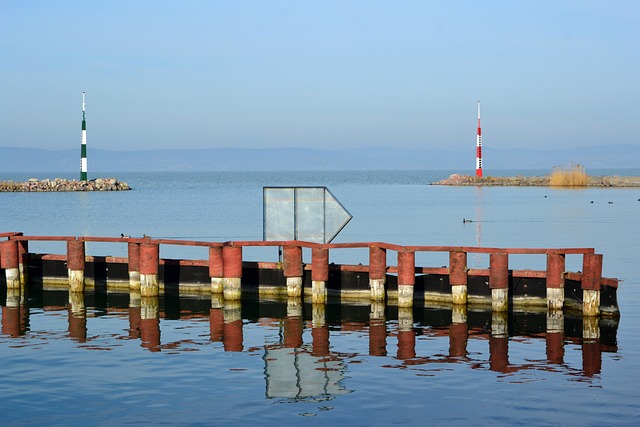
{"x": 14, "y": 159}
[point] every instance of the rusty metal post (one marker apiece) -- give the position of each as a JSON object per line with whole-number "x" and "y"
{"x": 591, "y": 279}
{"x": 293, "y": 270}
{"x": 216, "y": 270}
{"x": 10, "y": 263}
{"x": 458, "y": 277}
{"x": 232, "y": 272}
{"x": 319, "y": 275}
{"x": 499, "y": 281}
{"x": 75, "y": 265}
{"x": 406, "y": 277}
{"x": 149, "y": 265}
{"x": 133, "y": 250}
{"x": 377, "y": 272}
{"x": 555, "y": 281}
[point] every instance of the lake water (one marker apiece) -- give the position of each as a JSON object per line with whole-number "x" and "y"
{"x": 277, "y": 363}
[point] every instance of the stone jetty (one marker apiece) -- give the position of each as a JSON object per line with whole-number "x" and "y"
{"x": 59, "y": 184}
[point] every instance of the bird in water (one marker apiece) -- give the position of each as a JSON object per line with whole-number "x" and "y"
{"x": 466, "y": 220}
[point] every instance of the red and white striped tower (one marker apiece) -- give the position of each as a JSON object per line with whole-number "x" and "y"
{"x": 479, "y": 147}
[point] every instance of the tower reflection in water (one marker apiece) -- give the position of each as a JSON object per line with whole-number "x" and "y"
{"x": 311, "y": 369}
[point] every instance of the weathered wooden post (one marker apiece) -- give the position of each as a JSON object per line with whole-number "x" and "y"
{"x": 293, "y": 270}
{"x": 232, "y": 272}
{"x": 134, "y": 265}
{"x": 406, "y": 277}
{"x": 216, "y": 270}
{"x": 555, "y": 281}
{"x": 319, "y": 275}
{"x": 458, "y": 276}
{"x": 377, "y": 272}
{"x": 591, "y": 279}
{"x": 149, "y": 265}
{"x": 75, "y": 264}
{"x": 499, "y": 281}
{"x": 10, "y": 263}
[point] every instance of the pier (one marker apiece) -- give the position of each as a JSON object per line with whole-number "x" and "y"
{"x": 222, "y": 271}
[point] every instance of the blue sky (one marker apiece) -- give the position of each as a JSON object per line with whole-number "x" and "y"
{"x": 319, "y": 74}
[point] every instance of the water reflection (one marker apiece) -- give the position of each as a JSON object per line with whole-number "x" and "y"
{"x": 300, "y": 360}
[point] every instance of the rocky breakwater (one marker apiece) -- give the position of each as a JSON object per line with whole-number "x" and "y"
{"x": 59, "y": 184}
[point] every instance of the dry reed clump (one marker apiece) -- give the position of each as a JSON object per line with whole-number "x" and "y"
{"x": 571, "y": 176}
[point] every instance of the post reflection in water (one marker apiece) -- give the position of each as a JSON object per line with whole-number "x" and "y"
{"x": 295, "y": 369}
{"x": 77, "y": 317}
{"x": 15, "y": 314}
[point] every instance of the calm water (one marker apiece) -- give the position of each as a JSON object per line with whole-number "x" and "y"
{"x": 109, "y": 366}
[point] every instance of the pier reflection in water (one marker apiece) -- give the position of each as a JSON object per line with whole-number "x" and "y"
{"x": 300, "y": 360}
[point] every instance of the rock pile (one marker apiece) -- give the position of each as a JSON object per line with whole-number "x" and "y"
{"x": 59, "y": 184}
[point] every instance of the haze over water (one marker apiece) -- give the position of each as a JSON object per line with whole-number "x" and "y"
{"x": 105, "y": 374}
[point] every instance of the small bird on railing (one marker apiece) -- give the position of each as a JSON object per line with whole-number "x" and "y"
{"x": 123, "y": 236}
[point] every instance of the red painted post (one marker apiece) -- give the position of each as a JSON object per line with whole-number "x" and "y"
{"x": 23, "y": 260}
{"x": 9, "y": 261}
{"x": 216, "y": 270}
{"x": 499, "y": 281}
{"x": 555, "y": 280}
{"x": 232, "y": 272}
{"x": 406, "y": 277}
{"x": 591, "y": 280}
{"x": 293, "y": 270}
{"x": 377, "y": 272}
{"x": 319, "y": 274}
{"x": 149, "y": 264}
{"x": 458, "y": 277}
{"x": 406, "y": 268}
{"x": 320, "y": 264}
{"x": 377, "y": 263}
{"x": 292, "y": 261}
{"x": 75, "y": 264}
{"x": 134, "y": 265}
{"x": 149, "y": 258}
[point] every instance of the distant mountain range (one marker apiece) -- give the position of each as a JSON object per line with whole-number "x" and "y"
{"x": 13, "y": 159}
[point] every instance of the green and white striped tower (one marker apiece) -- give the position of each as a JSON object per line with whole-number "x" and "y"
{"x": 83, "y": 147}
